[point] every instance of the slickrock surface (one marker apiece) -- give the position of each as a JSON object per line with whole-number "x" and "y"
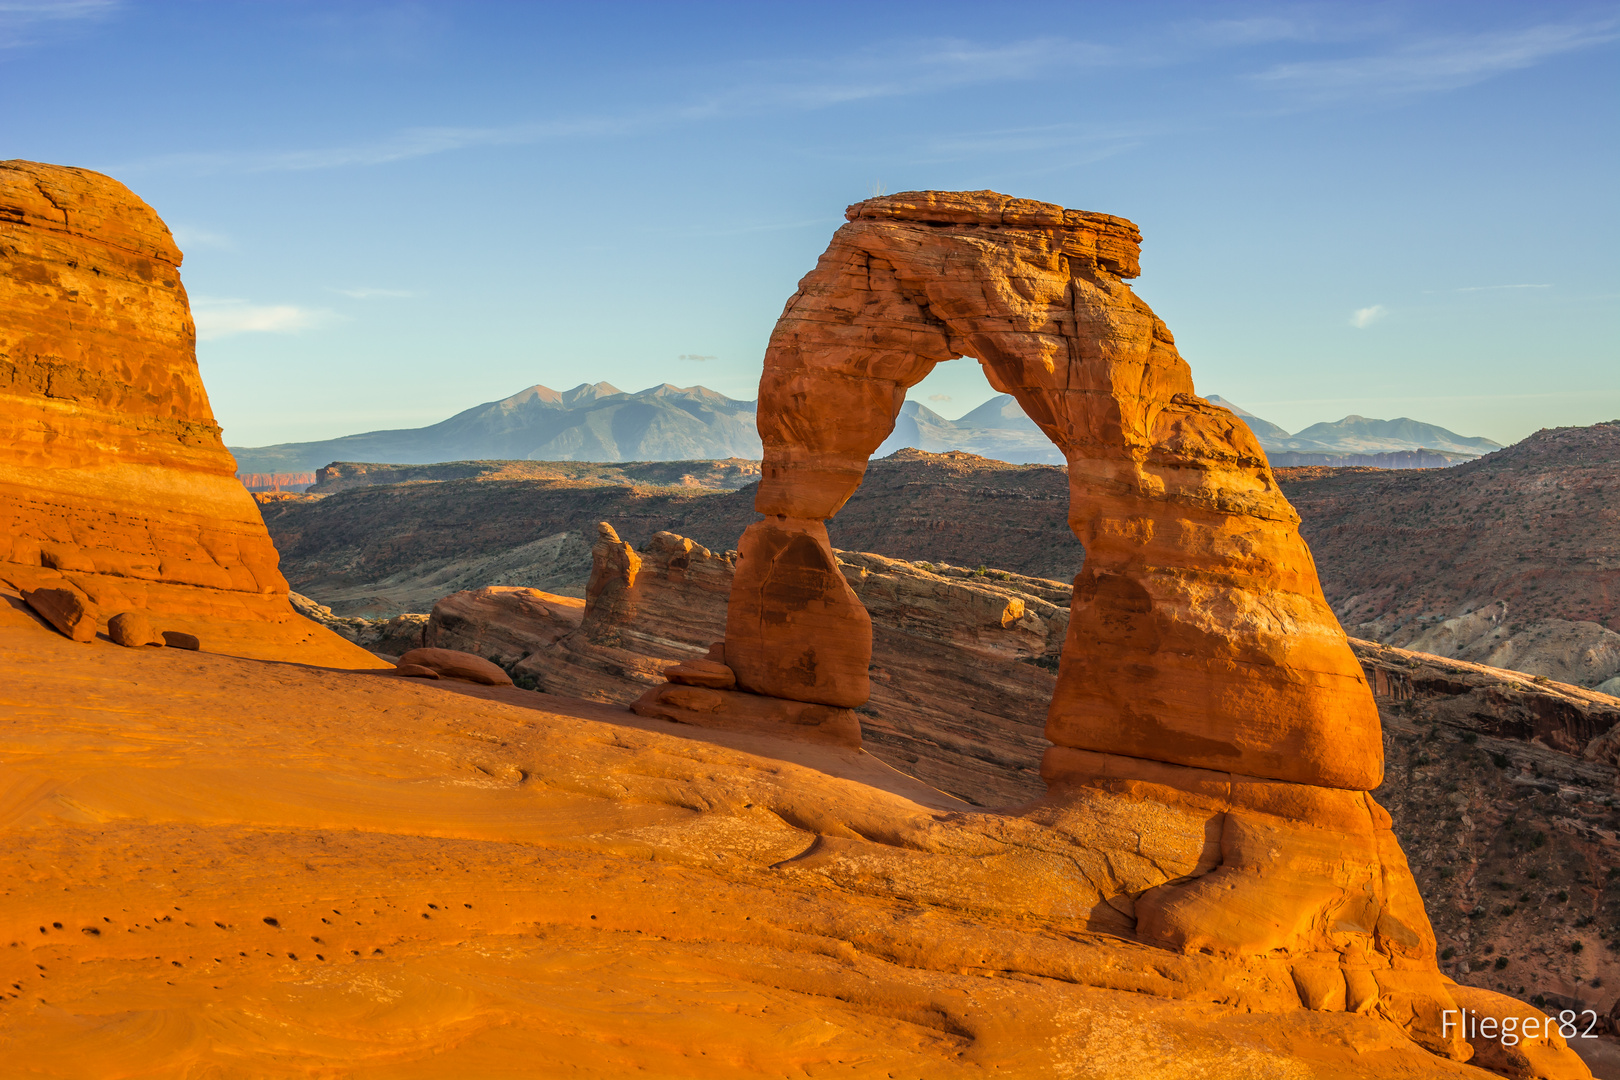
{"x": 1502, "y": 787}
{"x": 1512, "y": 560}
{"x": 114, "y": 484}
{"x": 231, "y": 867}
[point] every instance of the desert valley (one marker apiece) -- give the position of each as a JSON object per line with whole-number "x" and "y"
{"x": 810, "y": 755}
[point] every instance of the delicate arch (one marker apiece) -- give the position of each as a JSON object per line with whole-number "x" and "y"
{"x": 1199, "y": 634}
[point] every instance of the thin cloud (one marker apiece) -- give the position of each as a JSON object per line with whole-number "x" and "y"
{"x": 939, "y": 397}
{"x": 188, "y": 236}
{"x": 696, "y": 356}
{"x": 374, "y": 294}
{"x": 222, "y": 318}
{"x": 1365, "y": 317}
{"x": 22, "y": 20}
{"x": 924, "y": 68}
{"x": 1494, "y": 288}
{"x": 1434, "y": 65}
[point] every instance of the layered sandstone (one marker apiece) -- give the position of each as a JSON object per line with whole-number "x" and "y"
{"x": 1199, "y": 635}
{"x": 114, "y": 484}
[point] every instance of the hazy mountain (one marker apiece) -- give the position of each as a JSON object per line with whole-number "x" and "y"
{"x": 591, "y": 422}
{"x": 600, "y": 422}
{"x": 1359, "y": 436}
{"x": 997, "y": 429}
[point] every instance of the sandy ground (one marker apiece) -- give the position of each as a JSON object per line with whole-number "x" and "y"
{"x": 214, "y": 867}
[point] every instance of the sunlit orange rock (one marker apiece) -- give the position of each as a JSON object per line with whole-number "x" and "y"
{"x": 114, "y": 484}
{"x": 454, "y": 664}
{"x": 1199, "y": 634}
{"x": 132, "y": 630}
{"x": 794, "y": 628}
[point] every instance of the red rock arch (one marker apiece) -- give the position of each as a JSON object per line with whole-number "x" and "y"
{"x": 1199, "y": 634}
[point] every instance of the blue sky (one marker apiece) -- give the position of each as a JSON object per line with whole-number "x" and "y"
{"x": 391, "y": 212}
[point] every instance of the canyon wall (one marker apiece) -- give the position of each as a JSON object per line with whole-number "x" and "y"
{"x": 114, "y": 484}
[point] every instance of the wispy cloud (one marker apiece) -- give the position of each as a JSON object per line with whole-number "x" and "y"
{"x": 400, "y": 146}
{"x": 189, "y": 236}
{"x": 939, "y": 397}
{"x": 1362, "y": 318}
{"x": 696, "y": 356}
{"x": 22, "y": 21}
{"x": 365, "y": 293}
{"x": 1434, "y": 64}
{"x": 900, "y": 70}
{"x": 1494, "y": 288}
{"x": 221, "y": 318}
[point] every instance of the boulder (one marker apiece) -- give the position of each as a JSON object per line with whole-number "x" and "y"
{"x": 179, "y": 639}
{"x": 702, "y": 673}
{"x": 416, "y": 671}
{"x": 64, "y": 609}
{"x": 132, "y": 629}
{"x": 453, "y": 664}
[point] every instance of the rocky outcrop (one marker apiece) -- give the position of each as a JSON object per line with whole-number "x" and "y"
{"x": 1199, "y": 635}
{"x": 114, "y": 485}
{"x": 962, "y": 662}
{"x": 385, "y": 638}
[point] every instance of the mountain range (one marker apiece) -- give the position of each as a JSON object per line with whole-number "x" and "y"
{"x": 599, "y": 422}
{"x": 591, "y": 422}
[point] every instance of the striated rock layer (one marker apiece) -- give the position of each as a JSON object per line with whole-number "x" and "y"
{"x": 1199, "y": 635}
{"x": 113, "y": 481}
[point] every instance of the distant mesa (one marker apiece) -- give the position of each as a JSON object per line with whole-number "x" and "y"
{"x": 277, "y": 481}
{"x": 591, "y": 422}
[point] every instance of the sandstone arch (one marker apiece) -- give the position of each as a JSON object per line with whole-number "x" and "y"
{"x": 1199, "y": 634}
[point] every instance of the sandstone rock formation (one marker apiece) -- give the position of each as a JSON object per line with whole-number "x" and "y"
{"x": 132, "y": 630}
{"x": 1199, "y": 635}
{"x": 114, "y": 485}
{"x": 1203, "y": 671}
{"x": 349, "y": 873}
